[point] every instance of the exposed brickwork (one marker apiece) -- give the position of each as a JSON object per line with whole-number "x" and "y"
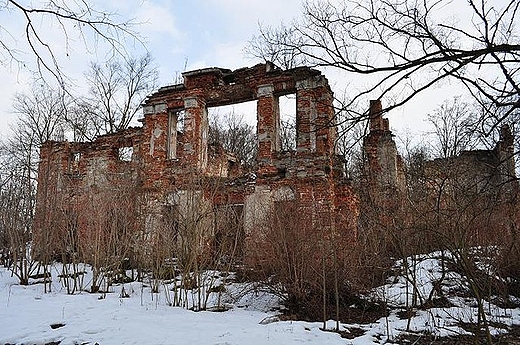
{"x": 168, "y": 167}
{"x": 136, "y": 180}
{"x": 384, "y": 168}
{"x": 480, "y": 185}
{"x": 76, "y": 177}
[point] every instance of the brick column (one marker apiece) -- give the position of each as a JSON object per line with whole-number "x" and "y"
{"x": 375, "y": 115}
{"x": 196, "y": 132}
{"x": 315, "y": 123}
{"x": 268, "y": 127}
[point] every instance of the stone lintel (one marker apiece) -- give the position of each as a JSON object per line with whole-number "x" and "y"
{"x": 311, "y": 83}
{"x": 191, "y": 102}
{"x": 265, "y": 90}
{"x": 155, "y": 109}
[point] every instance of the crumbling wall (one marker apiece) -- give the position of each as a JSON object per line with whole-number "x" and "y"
{"x": 485, "y": 171}
{"x": 311, "y": 172}
{"x": 384, "y": 165}
{"x": 384, "y": 182}
{"x": 478, "y": 188}
{"x": 157, "y": 175}
{"x": 75, "y": 179}
{"x": 169, "y": 164}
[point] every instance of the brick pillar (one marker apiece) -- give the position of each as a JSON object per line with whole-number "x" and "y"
{"x": 315, "y": 123}
{"x": 268, "y": 127}
{"x": 375, "y": 116}
{"x": 196, "y": 132}
{"x": 154, "y": 144}
{"x": 305, "y": 121}
{"x": 154, "y": 130}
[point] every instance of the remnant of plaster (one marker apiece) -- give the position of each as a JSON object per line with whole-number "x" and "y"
{"x": 191, "y": 102}
{"x": 311, "y": 83}
{"x": 284, "y": 193}
{"x": 154, "y": 109}
{"x": 155, "y": 135}
{"x": 265, "y": 90}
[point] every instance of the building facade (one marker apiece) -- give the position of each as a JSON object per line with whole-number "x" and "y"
{"x": 167, "y": 177}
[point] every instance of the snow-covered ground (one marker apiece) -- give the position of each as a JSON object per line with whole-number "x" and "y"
{"x": 27, "y": 316}
{"x": 30, "y": 316}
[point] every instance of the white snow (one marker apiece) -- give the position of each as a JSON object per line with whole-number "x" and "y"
{"x": 27, "y": 313}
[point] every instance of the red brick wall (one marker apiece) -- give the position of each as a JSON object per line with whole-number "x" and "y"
{"x": 312, "y": 172}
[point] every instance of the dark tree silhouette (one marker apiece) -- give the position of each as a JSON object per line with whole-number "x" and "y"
{"x": 28, "y": 43}
{"x": 406, "y": 47}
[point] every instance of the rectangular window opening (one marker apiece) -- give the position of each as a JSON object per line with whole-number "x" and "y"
{"x": 180, "y": 117}
{"x": 125, "y": 153}
{"x": 287, "y": 122}
{"x": 73, "y": 165}
{"x": 176, "y": 122}
{"x": 232, "y": 129}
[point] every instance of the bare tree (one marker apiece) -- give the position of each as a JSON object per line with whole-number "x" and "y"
{"x": 16, "y": 205}
{"x": 454, "y": 128}
{"x": 288, "y": 134}
{"x": 47, "y": 114}
{"x": 406, "y": 47}
{"x": 74, "y": 21}
{"x": 110, "y": 232}
{"x": 236, "y": 136}
{"x": 81, "y": 121}
{"x": 41, "y": 118}
{"x": 465, "y": 207}
{"x": 42, "y": 113}
{"x": 276, "y": 45}
{"x": 117, "y": 90}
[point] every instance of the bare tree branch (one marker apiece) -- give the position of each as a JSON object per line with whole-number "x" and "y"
{"x": 91, "y": 25}
{"x": 117, "y": 90}
{"x": 405, "y": 47}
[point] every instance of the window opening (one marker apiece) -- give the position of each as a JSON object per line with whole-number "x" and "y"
{"x": 74, "y": 162}
{"x": 233, "y": 128}
{"x": 176, "y": 120}
{"x": 180, "y": 120}
{"x": 125, "y": 153}
{"x": 287, "y": 122}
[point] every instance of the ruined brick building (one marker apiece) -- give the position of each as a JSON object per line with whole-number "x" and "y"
{"x": 161, "y": 176}
{"x": 476, "y": 192}
{"x": 471, "y": 197}
{"x": 159, "y": 181}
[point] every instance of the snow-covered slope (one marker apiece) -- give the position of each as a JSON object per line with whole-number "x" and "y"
{"x": 27, "y": 316}
{"x": 30, "y": 316}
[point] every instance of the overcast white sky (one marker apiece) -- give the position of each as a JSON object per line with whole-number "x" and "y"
{"x": 182, "y": 35}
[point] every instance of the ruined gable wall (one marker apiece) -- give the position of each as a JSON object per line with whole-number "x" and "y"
{"x": 163, "y": 178}
{"x": 310, "y": 176}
